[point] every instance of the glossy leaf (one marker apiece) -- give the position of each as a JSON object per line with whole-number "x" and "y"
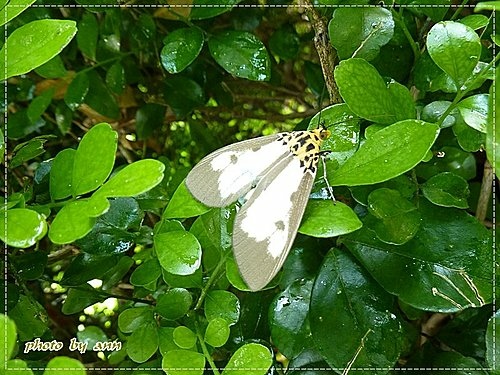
{"x": 222, "y": 304}
{"x": 88, "y": 32}
{"x": 344, "y": 296}
{"x": 72, "y": 222}
{"x": 134, "y": 179}
{"x": 61, "y": 174}
{"x": 94, "y": 159}
{"x": 394, "y": 219}
{"x": 59, "y": 363}
{"x": 474, "y": 111}
{"x": 253, "y": 359}
{"x": 22, "y": 227}
{"x": 143, "y": 342}
{"x": 27, "y": 151}
{"x": 146, "y": 273}
{"x": 360, "y": 32}
{"x": 77, "y": 91}
{"x": 183, "y": 205}
{"x": 15, "y": 8}
{"x": 380, "y": 157}
{"x": 33, "y": 44}
{"x": 8, "y": 337}
{"x": 492, "y": 131}
{"x": 183, "y": 362}
{"x": 289, "y": 318}
{"x": 492, "y": 347}
{"x": 179, "y": 252}
{"x": 217, "y": 332}
{"x": 447, "y": 189}
{"x": 132, "y": 319}
{"x": 85, "y": 267}
{"x": 174, "y": 304}
{"x": 446, "y": 267}
{"x": 242, "y": 54}
{"x": 449, "y": 42}
{"x": 181, "y": 47}
{"x": 325, "y": 218}
{"x": 184, "y": 338}
{"x": 369, "y": 96}
{"x": 204, "y": 8}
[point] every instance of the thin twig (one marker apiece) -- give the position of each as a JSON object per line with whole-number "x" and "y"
{"x": 325, "y": 50}
{"x": 485, "y": 193}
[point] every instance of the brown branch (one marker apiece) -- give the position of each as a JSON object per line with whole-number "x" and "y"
{"x": 326, "y": 53}
{"x": 485, "y": 193}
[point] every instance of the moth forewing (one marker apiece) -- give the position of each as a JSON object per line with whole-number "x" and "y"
{"x": 266, "y": 225}
{"x": 229, "y": 173}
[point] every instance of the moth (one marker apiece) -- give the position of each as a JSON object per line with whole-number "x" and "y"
{"x": 274, "y": 175}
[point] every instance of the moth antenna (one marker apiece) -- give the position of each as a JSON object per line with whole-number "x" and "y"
{"x": 330, "y": 189}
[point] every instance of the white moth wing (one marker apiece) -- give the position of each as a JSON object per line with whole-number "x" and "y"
{"x": 230, "y": 172}
{"x": 266, "y": 225}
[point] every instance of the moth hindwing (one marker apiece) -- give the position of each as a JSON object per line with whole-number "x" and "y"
{"x": 275, "y": 174}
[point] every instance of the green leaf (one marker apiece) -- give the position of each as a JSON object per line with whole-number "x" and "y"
{"x": 133, "y": 319}
{"x": 369, "y": 96}
{"x": 252, "y": 359}
{"x": 242, "y": 54}
{"x": 217, "y": 332}
{"x": 8, "y": 338}
{"x": 28, "y": 150}
{"x": 289, "y": 319}
{"x": 475, "y": 21}
{"x": 468, "y": 138}
{"x": 134, "y": 179}
{"x": 492, "y": 131}
{"x": 360, "y": 32}
{"x": 492, "y": 347}
{"x": 181, "y": 47}
{"x": 54, "y": 68}
{"x": 85, "y": 267}
{"x": 183, "y": 95}
{"x": 449, "y": 159}
{"x": 22, "y": 227}
{"x": 77, "y": 91}
{"x": 94, "y": 159}
{"x": 33, "y": 44}
{"x": 63, "y": 363}
{"x": 72, "y": 222}
{"x": 222, "y": 304}
{"x": 179, "y": 252}
{"x": 284, "y": 43}
{"x": 30, "y": 266}
{"x": 344, "y": 296}
{"x": 474, "y": 111}
{"x": 30, "y": 318}
{"x": 12, "y": 9}
{"x": 446, "y": 267}
{"x": 183, "y": 205}
{"x": 91, "y": 335}
{"x": 203, "y": 9}
{"x": 324, "y": 218}
{"x": 143, "y": 342}
{"x": 115, "y": 78}
{"x": 184, "y": 338}
{"x": 344, "y": 127}
{"x": 451, "y": 42}
{"x": 146, "y": 273}
{"x": 447, "y": 189}
{"x": 61, "y": 174}
{"x": 99, "y": 97}
{"x": 487, "y": 5}
{"x": 183, "y": 362}
{"x": 380, "y": 157}
{"x": 86, "y": 38}
{"x": 78, "y": 299}
{"x": 394, "y": 219}
{"x": 39, "y": 105}
{"x": 174, "y": 304}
